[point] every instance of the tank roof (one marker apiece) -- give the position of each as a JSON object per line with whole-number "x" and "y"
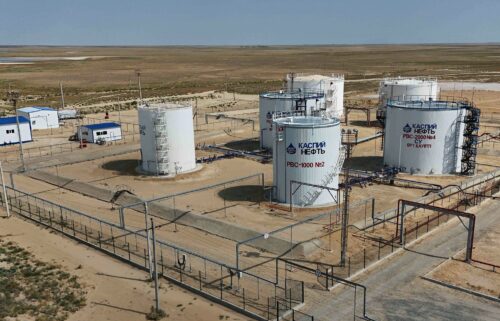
{"x": 307, "y": 121}
{"x": 429, "y": 104}
{"x": 293, "y": 94}
{"x": 306, "y": 77}
{"x": 164, "y": 106}
{"x": 408, "y": 81}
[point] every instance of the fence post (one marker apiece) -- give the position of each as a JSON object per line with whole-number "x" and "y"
{"x": 268, "y": 303}
{"x": 244, "y": 303}
{"x": 349, "y": 266}
{"x": 378, "y": 249}
{"x": 221, "y": 284}
{"x": 364, "y": 258}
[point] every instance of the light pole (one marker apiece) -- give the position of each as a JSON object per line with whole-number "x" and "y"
{"x": 148, "y": 238}
{"x": 13, "y": 96}
{"x": 155, "y": 275}
{"x": 4, "y": 191}
{"x": 138, "y": 72}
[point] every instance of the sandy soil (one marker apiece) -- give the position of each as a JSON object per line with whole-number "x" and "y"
{"x": 116, "y": 291}
{"x": 475, "y": 276}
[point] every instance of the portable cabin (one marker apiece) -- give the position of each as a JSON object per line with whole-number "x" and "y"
{"x": 8, "y": 130}
{"x": 104, "y": 132}
{"x": 40, "y": 117}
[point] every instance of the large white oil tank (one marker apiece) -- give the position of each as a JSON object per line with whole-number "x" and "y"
{"x": 279, "y": 104}
{"x": 332, "y": 86}
{"x": 424, "y": 137}
{"x": 407, "y": 89}
{"x": 167, "y": 139}
{"x": 308, "y": 150}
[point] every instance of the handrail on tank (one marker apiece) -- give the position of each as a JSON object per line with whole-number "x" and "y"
{"x": 305, "y": 74}
{"x": 294, "y": 94}
{"x": 419, "y": 78}
{"x": 429, "y": 104}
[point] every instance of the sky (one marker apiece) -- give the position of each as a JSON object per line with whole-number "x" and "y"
{"x": 247, "y": 22}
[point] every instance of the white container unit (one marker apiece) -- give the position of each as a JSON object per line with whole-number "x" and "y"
{"x": 424, "y": 137}
{"x": 67, "y": 114}
{"x": 279, "y": 104}
{"x": 167, "y": 139}
{"x": 308, "y": 150}
{"x": 40, "y": 117}
{"x": 407, "y": 89}
{"x": 332, "y": 86}
{"x": 8, "y": 130}
{"x": 103, "y": 132}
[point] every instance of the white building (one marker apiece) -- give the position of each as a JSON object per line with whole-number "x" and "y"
{"x": 8, "y": 130}
{"x": 40, "y": 117}
{"x": 106, "y": 132}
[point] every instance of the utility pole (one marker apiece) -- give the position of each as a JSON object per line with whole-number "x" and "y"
{"x": 148, "y": 238}
{"x": 6, "y": 200}
{"x": 157, "y": 297}
{"x": 138, "y": 73}
{"x": 13, "y": 96}
{"x": 345, "y": 219}
{"x": 62, "y": 94}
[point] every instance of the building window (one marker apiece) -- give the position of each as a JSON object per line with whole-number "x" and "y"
{"x": 33, "y": 122}
{"x": 104, "y": 132}
{"x": 10, "y": 131}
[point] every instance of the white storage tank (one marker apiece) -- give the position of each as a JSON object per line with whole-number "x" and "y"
{"x": 424, "y": 137}
{"x": 407, "y": 89}
{"x": 167, "y": 139}
{"x": 280, "y": 104}
{"x": 332, "y": 86}
{"x": 308, "y": 150}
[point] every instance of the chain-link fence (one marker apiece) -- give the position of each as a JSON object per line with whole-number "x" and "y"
{"x": 244, "y": 291}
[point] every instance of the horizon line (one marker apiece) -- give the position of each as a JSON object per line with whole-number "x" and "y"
{"x": 257, "y": 45}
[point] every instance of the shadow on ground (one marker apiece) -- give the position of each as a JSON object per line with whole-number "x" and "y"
{"x": 247, "y": 193}
{"x": 366, "y": 163}
{"x": 123, "y": 166}
{"x": 245, "y": 145}
{"x": 364, "y": 123}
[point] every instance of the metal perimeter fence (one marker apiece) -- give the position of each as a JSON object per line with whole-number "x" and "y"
{"x": 381, "y": 238}
{"x": 130, "y": 134}
{"x": 242, "y": 291}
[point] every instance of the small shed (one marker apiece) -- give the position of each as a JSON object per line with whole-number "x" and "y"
{"x": 40, "y": 117}
{"x": 104, "y": 132}
{"x": 8, "y": 130}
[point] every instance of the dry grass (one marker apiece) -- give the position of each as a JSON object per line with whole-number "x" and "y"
{"x": 34, "y": 290}
{"x": 177, "y": 70}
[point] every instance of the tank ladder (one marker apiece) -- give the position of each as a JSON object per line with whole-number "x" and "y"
{"x": 161, "y": 146}
{"x": 311, "y": 196}
{"x": 470, "y": 140}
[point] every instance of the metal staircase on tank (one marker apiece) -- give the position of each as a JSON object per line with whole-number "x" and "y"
{"x": 310, "y": 197}
{"x": 162, "y": 147}
{"x": 469, "y": 145}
